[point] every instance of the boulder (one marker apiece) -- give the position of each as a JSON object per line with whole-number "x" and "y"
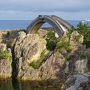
{"x": 78, "y": 82}
{"x": 5, "y": 62}
{"x": 28, "y": 50}
{"x": 76, "y": 39}
{"x": 33, "y": 49}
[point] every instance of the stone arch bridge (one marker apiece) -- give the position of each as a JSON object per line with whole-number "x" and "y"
{"x": 60, "y": 26}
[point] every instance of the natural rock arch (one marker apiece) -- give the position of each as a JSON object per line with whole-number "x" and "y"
{"x": 59, "y": 25}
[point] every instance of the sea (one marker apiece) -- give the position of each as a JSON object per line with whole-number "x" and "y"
{"x": 23, "y": 24}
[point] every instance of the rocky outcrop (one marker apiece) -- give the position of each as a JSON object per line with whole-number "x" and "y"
{"x": 7, "y": 40}
{"x": 28, "y": 51}
{"x": 5, "y": 62}
{"x": 67, "y": 66}
{"x": 78, "y": 82}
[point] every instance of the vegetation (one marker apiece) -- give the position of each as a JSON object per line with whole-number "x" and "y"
{"x": 68, "y": 57}
{"x": 64, "y": 43}
{"x": 37, "y": 64}
{"x": 78, "y": 38}
{"x": 59, "y": 43}
{"x": 64, "y": 46}
{"x": 4, "y": 55}
{"x": 51, "y": 40}
{"x": 84, "y": 29}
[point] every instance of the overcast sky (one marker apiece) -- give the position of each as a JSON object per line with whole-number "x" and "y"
{"x": 29, "y": 9}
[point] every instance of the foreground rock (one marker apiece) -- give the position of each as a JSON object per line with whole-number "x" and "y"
{"x": 28, "y": 51}
{"x": 67, "y": 66}
{"x": 78, "y": 82}
{"x": 5, "y": 62}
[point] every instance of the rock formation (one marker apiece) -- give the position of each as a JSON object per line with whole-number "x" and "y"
{"x": 67, "y": 66}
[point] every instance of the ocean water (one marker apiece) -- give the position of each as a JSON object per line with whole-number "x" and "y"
{"x": 23, "y": 24}
{"x": 14, "y": 24}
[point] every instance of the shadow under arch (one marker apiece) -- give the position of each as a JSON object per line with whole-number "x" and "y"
{"x": 59, "y": 25}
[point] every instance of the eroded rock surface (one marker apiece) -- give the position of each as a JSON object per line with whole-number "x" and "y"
{"x": 5, "y": 62}
{"x": 27, "y": 51}
{"x": 67, "y": 67}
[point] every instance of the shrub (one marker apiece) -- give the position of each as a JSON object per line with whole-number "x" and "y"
{"x": 64, "y": 43}
{"x": 68, "y": 57}
{"x": 87, "y": 39}
{"x": 51, "y": 40}
{"x": 51, "y": 45}
{"x": 84, "y": 29}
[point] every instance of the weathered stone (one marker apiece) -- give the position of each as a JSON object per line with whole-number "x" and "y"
{"x": 53, "y": 68}
{"x": 30, "y": 49}
{"x": 2, "y": 47}
{"x": 81, "y": 66}
{"x": 76, "y": 39}
{"x": 77, "y": 82}
{"x": 21, "y": 35}
{"x": 5, "y": 69}
{"x": 5, "y": 62}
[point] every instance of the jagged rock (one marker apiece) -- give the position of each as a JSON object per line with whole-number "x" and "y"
{"x": 77, "y": 60}
{"x": 3, "y": 46}
{"x": 67, "y": 67}
{"x": 81, "y": 66}
{"x": 21, "y": 35}
{"x": 28, "y": 50}
{"x": 77, "y": 82}
{"x": 76, "y": 39}
{"x": 5, "y": 69}
{"x": 5, "y": 62}
{"x": 53, "y": 68}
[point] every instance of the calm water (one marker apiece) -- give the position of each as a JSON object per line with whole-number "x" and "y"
{"x": 14, "y": 24}
{"x": 23, "y": 24}
{"x": 15, "y": 85}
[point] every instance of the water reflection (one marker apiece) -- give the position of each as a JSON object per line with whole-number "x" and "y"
{"x": 20, "y": 85}
{"x": 15, "y": 84}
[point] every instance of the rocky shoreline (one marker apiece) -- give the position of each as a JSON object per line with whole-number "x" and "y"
{"x": 26, "y": 57}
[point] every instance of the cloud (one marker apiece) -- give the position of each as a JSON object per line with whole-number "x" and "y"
{"x": 21, "y": 15}
{"x": 27, "y": 9}
{"x": 45, "y": 5}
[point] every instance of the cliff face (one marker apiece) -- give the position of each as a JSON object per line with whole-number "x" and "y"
{"x": 6, "y": 41}
{"x": 31, "y": 60}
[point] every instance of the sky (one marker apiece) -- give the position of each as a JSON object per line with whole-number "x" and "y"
{"x": 30, "y": 9}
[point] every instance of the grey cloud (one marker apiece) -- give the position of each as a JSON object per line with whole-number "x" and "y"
{"x": 46, "y": 5}
{"x": 27, "y": 9}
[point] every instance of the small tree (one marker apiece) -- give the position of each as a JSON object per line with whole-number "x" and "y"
{"x": 51, "y": 40}
{"x": 84, "y": 29}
